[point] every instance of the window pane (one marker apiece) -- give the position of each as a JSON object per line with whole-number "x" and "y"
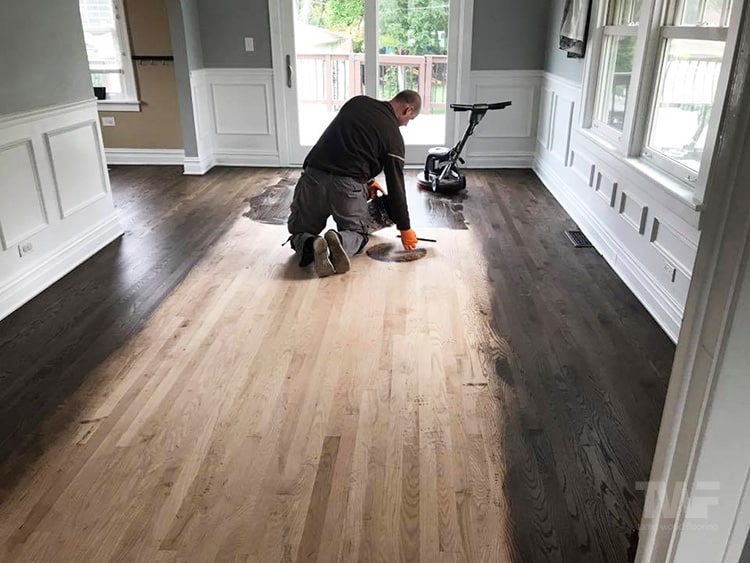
{"x": 103, "y": 50}
{"x": 623, "y": 12}
{"x": 713, "y": 13}
{"x": 97, "y": 13}
{"x": 614, "y": 80}
{"x": 685, "y": 96}
{"x": 112, "y": 82}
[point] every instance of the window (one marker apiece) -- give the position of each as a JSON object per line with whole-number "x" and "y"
{"x": 656, "y": 76}
{"x": 616, "y": 65}
{"x": 108, "y": 50}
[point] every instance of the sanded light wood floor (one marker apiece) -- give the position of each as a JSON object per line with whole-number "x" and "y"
{"x": 495, "y": 401}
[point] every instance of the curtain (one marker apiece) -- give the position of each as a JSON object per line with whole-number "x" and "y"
{"x": 573, "y": 28}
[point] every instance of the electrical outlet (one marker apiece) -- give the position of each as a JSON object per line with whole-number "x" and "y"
{"x": 24, "y": 248}
{"x": 108, "y": 121}
{"x": 249, "y": 44}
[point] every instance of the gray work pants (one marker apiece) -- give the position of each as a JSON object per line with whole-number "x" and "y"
{"x": 317, "y": 196}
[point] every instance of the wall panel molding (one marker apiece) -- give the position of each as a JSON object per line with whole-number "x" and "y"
{"x": 648, "y": 234}
{"x": 78, "y": 170}
{"x": 505, "y": 138}
{"x": 22, "y": 209}
{"x": 51, "y": 159}
{"x": 235, "y": 118}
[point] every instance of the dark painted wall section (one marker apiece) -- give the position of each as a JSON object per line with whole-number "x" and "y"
{"x": 556, "y": 61}
{"x": 509, "y": 35}
{"x": 186, "y": 48}
{"x": 224, "y": 24}
{"x": 43, "y": 59}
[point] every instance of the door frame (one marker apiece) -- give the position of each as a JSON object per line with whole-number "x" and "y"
{"x": 459, "y": 66}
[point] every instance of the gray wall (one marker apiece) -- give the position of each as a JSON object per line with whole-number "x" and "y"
{"x": 183, "y": 34}
{"x": 224, "y": 24}
{"x": 557, "y": 61}
{"x": 509, "y": 35}
{"x": 193, "y": 41}
{"x": 42, "y": 55}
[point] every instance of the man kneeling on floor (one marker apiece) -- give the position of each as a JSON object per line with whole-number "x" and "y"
{"x": 362, "y": 140}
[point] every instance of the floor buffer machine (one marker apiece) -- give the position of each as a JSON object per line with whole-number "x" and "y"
{"x": 441, "y": 173}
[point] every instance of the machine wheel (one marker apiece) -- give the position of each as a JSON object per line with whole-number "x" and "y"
{"x": 454, "y": 183}
{"x": 424, "y": 183}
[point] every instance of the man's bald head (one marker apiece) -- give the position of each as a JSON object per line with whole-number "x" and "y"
{"x": 406, "y": 105}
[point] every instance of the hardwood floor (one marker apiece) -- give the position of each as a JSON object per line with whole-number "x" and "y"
{"x": 190, "y": 394}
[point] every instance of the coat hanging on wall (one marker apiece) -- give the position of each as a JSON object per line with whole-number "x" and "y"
{"x": 573, "y": 28}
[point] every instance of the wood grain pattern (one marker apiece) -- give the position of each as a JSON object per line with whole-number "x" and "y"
{"x": 201, "y": 398}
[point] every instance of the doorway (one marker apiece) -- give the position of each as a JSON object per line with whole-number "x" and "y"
{"x": 332, "y": 50}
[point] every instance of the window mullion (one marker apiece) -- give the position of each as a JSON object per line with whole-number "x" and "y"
{"x": 645, "y": 67}
{"x": 694, "y": 32}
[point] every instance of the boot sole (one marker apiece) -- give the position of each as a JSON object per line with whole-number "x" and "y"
{"x": 339, "y": 257}
{"x": 322, "y": 264}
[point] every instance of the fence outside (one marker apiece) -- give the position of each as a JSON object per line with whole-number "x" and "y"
{"x": 331, "y": 79}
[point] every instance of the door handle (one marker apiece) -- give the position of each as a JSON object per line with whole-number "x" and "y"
{"x": 289, "y": 71}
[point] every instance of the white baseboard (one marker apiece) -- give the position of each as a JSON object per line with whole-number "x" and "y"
{"x": 30, "y": 283}
{"x": 667, "y": 313}
{"x": 145, "y": 156}
{"x": 195, "y": 166}
{"x": 247, "y": 158}
{"x": 508, "y": 160}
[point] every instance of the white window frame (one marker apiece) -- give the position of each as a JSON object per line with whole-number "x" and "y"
{"x": 128, "y": 100}
{"x": 630, "y": 144}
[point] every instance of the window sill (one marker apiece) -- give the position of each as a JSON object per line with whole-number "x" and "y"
{"x": 671, "y": 186}
{"x": 118, "y": 105}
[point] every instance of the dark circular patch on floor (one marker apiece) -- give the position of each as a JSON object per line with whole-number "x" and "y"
{"x": 272, "y": 205}
{"x": 390, "y": 252}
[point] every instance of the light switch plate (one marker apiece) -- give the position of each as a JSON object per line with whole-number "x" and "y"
{"x": 249, "y": 44}
{"x": 108, "y": 121}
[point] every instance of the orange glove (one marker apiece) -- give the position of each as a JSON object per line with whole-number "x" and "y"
{"x": 409, "y": 239}
{"x": 373, "y": 187}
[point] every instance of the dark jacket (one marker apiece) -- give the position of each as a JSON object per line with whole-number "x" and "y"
{"x": 363, "y": 140}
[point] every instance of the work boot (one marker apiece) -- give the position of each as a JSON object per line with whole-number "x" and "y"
{"x": 338, "y": 255}
{"x": 321, "y": 263}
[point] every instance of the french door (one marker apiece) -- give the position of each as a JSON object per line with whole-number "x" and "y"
{"x": 332, "y": 50}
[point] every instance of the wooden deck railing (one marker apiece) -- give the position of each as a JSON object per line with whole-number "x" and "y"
{"x": 331, "y": 79}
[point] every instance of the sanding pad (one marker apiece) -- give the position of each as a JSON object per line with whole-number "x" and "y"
{"x": 390, "y": 252}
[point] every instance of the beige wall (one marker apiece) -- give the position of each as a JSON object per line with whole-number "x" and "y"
{"x": 157, "y": 125}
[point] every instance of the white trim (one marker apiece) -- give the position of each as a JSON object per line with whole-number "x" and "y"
{"x": 195, "y": 166}
{"x": 93, "y": 125}
{"x": 24, "y": 287}
{"x": 145, "y": 156}
{"x": 500, "y": 160}
{"x": 118, "y": 105}
{"x": 23, "y": 117}
{"x": 246, "y": 158}
{"x": 665, "y": 310}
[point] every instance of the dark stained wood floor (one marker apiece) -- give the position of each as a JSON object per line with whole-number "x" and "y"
{"x": 586, "y": 367}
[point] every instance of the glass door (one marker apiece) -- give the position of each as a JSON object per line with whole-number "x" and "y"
{"x": 413, "y": 54}
{"x": 336, "y": 49}
{"x": 329, "y": 38}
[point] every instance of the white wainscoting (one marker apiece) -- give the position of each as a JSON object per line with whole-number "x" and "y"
{"x": 235, "y": 118}
{"x": 646, "y": 233}
{"x": 55, "y": 199}
{"x": 505, "y": 138}
{"x": 145, "y": 156}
